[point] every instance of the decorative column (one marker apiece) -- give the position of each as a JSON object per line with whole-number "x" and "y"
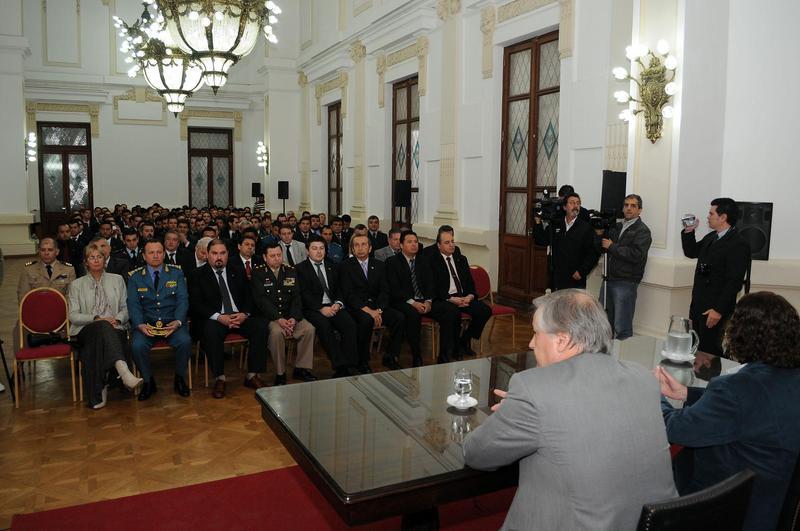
{"x": 448, "y": 10}
{"x": 381, "y": 69}
{"x": 305, "y": 141}
{"x": 488, "y": 23}
{"x": 358, "y": 210}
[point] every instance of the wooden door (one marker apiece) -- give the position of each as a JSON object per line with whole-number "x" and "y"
{"x": 210, "y": 167}
{"x": 65, "y": 172}
{"x": 529, "y": 160}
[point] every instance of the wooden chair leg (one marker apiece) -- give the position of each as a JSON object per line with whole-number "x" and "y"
{"x": 197, "y": 357}
{"x": 189, "y": 372}
{"x": 16, "y": 383}
{"x": 205, "y": 366}
{"x": 80, "y": 381}
{"x": 72, "y": 373}
{"x": 514, "y": 331}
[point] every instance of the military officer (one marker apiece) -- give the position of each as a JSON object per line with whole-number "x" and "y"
{"x": 46, "y": 272}
{"x": 276, "y": 293}
{"x": 157, "y": 303}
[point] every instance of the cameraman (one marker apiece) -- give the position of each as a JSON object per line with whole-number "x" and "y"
{"x": 723, "y": 258}
{"x": 572, "y": 241}
{"x": 627, "y": 245}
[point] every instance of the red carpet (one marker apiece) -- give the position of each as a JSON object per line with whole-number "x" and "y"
{"x": 277, "y": 499}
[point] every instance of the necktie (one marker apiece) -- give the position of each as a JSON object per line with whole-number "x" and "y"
{"x": 155, "y": 280}
{"x": 321, "y": 278}
{"x": 247, "y": 270}
{"x": 455, "y": 277}
{"x": 172, "y": 258}
{"x": 49, "y": 271}
{"x": 227, "y": 305}
{"x": 364, "y": 266}
{"x": 414, "y": 284}
{"x": 289, "y": 254}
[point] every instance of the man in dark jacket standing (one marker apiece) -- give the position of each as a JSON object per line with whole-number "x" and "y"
{"x": 723, "y": 258}
{"x": 574, "y": 253}
{"x": 627, "y": 245}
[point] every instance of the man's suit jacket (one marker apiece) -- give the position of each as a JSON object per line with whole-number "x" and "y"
{"x": 743, "y": 420}
{"x": 379, "y": 241}
{"x": 182, "y": 255}
{"x": 311, "y": 288}
{"x": 359, "y": 290}
{"x": 118, "y": 265}
{"x": 204, "y": 296}
{"x": 116, "y": 245}
{"x": 591, "y": 445}
{"x": 384, "y": 253}
{"x": 298, "y": 236}
{"x": 401, "y": 288}
{"x": 572, "y": 250}
{"x": 81, "y": 300}
{"x": 133, "y": 263}
{"x": 726, "y": 261}
{"x": 298, "y": 250}
{"x": 441, "y": 276}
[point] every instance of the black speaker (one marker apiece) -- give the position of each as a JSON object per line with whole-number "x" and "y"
{"x": 402, "y": 193}
{"x": 755, "y": 226}
{"x": 256, "y": 189}
{"x": 283, "y": 189}
{"x": 613, "y": 195}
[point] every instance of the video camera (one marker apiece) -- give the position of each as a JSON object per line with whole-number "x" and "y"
{"x": 603, "y": 220}
{"x": 548, "y": 208}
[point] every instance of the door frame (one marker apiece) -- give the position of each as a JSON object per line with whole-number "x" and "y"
{"x": 210, "y": 154}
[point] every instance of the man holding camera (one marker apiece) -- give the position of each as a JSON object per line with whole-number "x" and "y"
{"x": 572, "y": 239}
{"x": 626, "y": 247}
{"x": 723, "y": 258}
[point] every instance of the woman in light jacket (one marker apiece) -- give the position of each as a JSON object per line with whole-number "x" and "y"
{"x": 98, "y": 313}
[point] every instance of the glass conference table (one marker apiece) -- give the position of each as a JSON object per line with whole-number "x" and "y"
{"x": 387, "y": 444}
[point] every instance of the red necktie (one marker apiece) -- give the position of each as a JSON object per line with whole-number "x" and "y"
{"x": 247, "y": 269}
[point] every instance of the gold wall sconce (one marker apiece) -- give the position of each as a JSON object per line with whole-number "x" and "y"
{"x": 654, "y": 88}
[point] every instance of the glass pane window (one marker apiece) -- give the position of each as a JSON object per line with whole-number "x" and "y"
{"x": 63, "y": 136}
{"x": 516, "y": 213}
{"x": 547, "y": 149}
{"x": 401, "y": 152}
{"x": 221, "y": 176}
{"x": 406, "y": 145}
{"x": 201, "y": 140}
{"x": 199, "y": 182}
{"x": 549, "y": 65}
{"x": 414, "y": 145}
{"x": 520, "y": 73}
{"x": 52, "y": 183}
{"x": 517, "y": 143}
{"x": 401, "y": 107}
{"x": 78, "y": 166}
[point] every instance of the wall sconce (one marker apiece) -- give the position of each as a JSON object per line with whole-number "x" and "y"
{"x": 30, "y": 149}
{"x": 654, "y": 89}
{"x": 262, "y": 156}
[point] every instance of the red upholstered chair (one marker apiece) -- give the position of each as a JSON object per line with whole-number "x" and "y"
{"x": 483, "y": 286}
{"x": 43, "y": 311}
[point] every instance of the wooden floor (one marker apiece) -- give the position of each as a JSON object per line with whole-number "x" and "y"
{"x": 54, "y": 453}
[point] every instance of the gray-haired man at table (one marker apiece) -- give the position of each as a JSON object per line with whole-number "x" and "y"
{"x": 584, "y": 427}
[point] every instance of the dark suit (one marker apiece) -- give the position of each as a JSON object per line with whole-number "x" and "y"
{"x": 205, "y": 300}
{"x": 478, "y": 311}
{"x": 344, "y": 354}
{"x": 377, "y": 241}
{"x": 372, "y": 291}
{"x": 182, "y": 255}
{"x": 118, "y": 265}
{"x": 133, "y": 261}
{"x": 236, "y": 263}
{"x": 298, "y": 236}
{"x": 572, "y": 250}
{"x": 718, "y": 277}
{"x": 742, "y": 420}
{"x": 402, "y": 290}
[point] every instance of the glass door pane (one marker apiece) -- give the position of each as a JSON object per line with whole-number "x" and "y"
{"x": 199, "y": 178}
{"x": 53, "y": 184}
{"x": 78, "y": 181}
{"x": 221, "y": 170}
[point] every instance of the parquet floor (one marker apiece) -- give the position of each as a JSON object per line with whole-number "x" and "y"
{"x": 54, "y": 453}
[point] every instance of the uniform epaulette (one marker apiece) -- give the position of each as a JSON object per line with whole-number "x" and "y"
{"x": 176, "y": 266}
{"x": 287, "y": 266}
{"x": 132, "y": 271}
{"x": 260, "y": 267}
{"x": 30, "y": 263}
{"x": 65, "y": 263}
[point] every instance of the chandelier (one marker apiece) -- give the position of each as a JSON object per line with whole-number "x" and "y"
{"x": 217, "y": 33}
{"x": 170, "y": 72}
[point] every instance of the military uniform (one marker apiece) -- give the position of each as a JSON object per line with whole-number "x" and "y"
{"x": 149, "y": 305}
{"x": 35, "y": 276}
{"x": 279, "y": 297}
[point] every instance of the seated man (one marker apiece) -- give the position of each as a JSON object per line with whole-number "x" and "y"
{"x": 132, "y": 253}
{"x": 585, "y": 428}
{"x": 452, "y": 282}
{"x": 294, "y": 252}
{"x": 175, "y": 254}
{"x": 245, "y": 260}
{"x": 277, "y": 296}
{"x": 221, "y": 302}
{"x": 366, "y": 292}
{"x": 157, "y": 295}
{"x": 333, "y": 251}
{"x": 412, "y": 295}
{"x": 392, "y": 248}
{"x": 189, "y": 262}
{"x": 377, "y": 239}
{"x": 322, "y": 305}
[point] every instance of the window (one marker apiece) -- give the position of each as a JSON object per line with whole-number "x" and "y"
{"x": 335, "y": 159}
{"x": 65, "y": 171}
{"x": 405, "y": 147}
{"x": 210, "y": 167}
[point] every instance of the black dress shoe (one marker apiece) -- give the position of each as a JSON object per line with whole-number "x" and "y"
{"x": 416, "y": 362}
{"x": 180, "y": 386}
{"x": 466, "y": 350}
{"x": 364, "y": 369}
{"x": 391, "y": 364}
{"x": 280, "y": 379}
{"x": 304, "y": 375}
{"x": 148, "y": 389}
{"x": 458, "y": 356}
{"x": 443, "y": 358}
{"x": 341, "y": 372}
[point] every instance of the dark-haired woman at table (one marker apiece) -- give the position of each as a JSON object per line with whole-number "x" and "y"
{"x": 749, "y": 419}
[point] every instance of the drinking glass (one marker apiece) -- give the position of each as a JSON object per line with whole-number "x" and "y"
{"x": 681, "y": 338}
{"x": 462, "y": 384}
